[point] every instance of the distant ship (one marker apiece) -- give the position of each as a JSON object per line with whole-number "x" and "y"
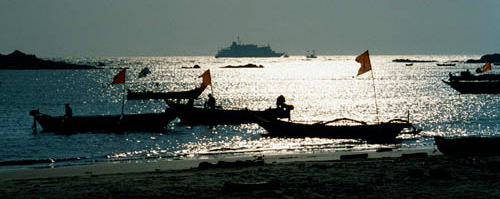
{"x": 247, "y": 50}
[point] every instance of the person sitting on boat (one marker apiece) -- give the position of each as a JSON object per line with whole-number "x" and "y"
{"x": 68, "y": 111}
{"x": 280, "y": 102}
{"x": 211, "y": 102}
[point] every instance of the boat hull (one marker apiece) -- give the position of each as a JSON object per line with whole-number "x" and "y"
{"x": 150, "y": 122}
{"x": 475, "y": 87}
{"x": 373, "y": 132}
{"x": 204, "y": 116}
{"x": 468, "y": 146}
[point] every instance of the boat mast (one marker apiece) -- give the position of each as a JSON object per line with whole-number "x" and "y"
{"x": 124, "y": 93}
{"x": 375, "y": 94}
{"x": 123, "y": 99}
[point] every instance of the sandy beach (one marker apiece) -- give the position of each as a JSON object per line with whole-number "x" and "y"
{"x": 421, "y": 174}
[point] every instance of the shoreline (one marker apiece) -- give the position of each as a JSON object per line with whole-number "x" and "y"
{"x": 380, "y": 175}
{"x": 185, "y": 164}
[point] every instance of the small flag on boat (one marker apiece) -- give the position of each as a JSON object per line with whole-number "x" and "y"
{"x": 486, "y": 67}
{"x": 119, "y": 78}
{"x": 364, "y": 60}
{"x": 207, "y": 80}
{"x": 144, "y": 72}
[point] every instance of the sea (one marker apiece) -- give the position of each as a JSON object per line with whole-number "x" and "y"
{"x": 320, "y": 89}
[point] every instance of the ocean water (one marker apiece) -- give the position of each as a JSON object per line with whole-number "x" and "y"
{"x": 324, "y": 88}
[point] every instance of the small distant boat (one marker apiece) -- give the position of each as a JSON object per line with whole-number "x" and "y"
{"x": 408, "y": 64}
{"x": 194, "y": 67}
{"x": 311, "y": 54}
{"x": 148, "y": 122}
{"x": 446, "y": 64}
{"x": 343, "y": 128}
{"x": 468, "y": 146}
{"x": 191, "y": 115}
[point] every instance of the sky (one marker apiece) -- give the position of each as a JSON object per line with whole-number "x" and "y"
{"x": 103, "y": 28}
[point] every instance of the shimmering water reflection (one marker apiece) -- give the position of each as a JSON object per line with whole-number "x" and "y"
{"x": 320, "y": 89}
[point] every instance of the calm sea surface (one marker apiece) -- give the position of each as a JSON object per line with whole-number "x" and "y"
{"x": 320, "y": 89}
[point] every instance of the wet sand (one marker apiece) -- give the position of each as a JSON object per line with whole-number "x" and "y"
{"x": 381, "y": 175}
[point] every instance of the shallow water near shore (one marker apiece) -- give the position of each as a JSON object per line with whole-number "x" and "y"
{"x": 320, "y": 89}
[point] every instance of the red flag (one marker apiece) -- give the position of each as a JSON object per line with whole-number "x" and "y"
{"x": 364, "y": 60}
{"x": 486, "y": 67}
{"x": 207, "y": 80}
{"x": 119, "y": 78}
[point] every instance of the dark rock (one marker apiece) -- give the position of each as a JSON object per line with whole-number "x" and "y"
{"x": 486, "y": 58}
{"x": 412, "y": 61}
{"x": 244, "y": 66}
{"x": 19, "y": 60}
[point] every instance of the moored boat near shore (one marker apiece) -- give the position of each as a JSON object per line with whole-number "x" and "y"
{"x": 148, "y": 122}
{"x": 468, "y": 146}
{"x": 339, "y": 129}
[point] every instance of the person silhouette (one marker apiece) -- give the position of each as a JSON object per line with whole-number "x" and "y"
{"x": 280, "y": 102}
{"x": 68, "y": 111}
{"x": 211, "y": 102}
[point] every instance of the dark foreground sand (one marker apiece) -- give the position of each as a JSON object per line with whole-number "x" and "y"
{"x": 436, "y": 176}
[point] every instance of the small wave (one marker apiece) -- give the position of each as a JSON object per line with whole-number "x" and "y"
{"x": 37, "y": 161}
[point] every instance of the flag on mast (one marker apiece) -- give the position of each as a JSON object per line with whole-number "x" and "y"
{"x": 207, "y": 80}
{"x": 364, "y": 60}
{"x": 486, "y": 67}
{"x": 119, "y": 78}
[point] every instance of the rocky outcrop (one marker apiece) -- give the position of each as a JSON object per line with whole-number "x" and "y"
{"x": 19, "y": 60}
{"x": 486, "y": 58}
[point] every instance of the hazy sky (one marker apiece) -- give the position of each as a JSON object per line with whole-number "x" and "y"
{"x": 200, "y": 27}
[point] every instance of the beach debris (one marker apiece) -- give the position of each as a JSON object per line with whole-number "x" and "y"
{"x": 224, "y": 164}
{"x": 414, "y": 155}
{"x": 354, "y": 156}
{"x": 256, "y": 186}
{"x": 383, "y": 150}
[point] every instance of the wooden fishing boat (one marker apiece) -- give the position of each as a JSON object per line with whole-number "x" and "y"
{"x": 468, "y": 146}
{"x": 148, "y": 122}
{"x": 343, "y": 128}
{"x": 191, "y": 115}
{"x": 467, "y": 83}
